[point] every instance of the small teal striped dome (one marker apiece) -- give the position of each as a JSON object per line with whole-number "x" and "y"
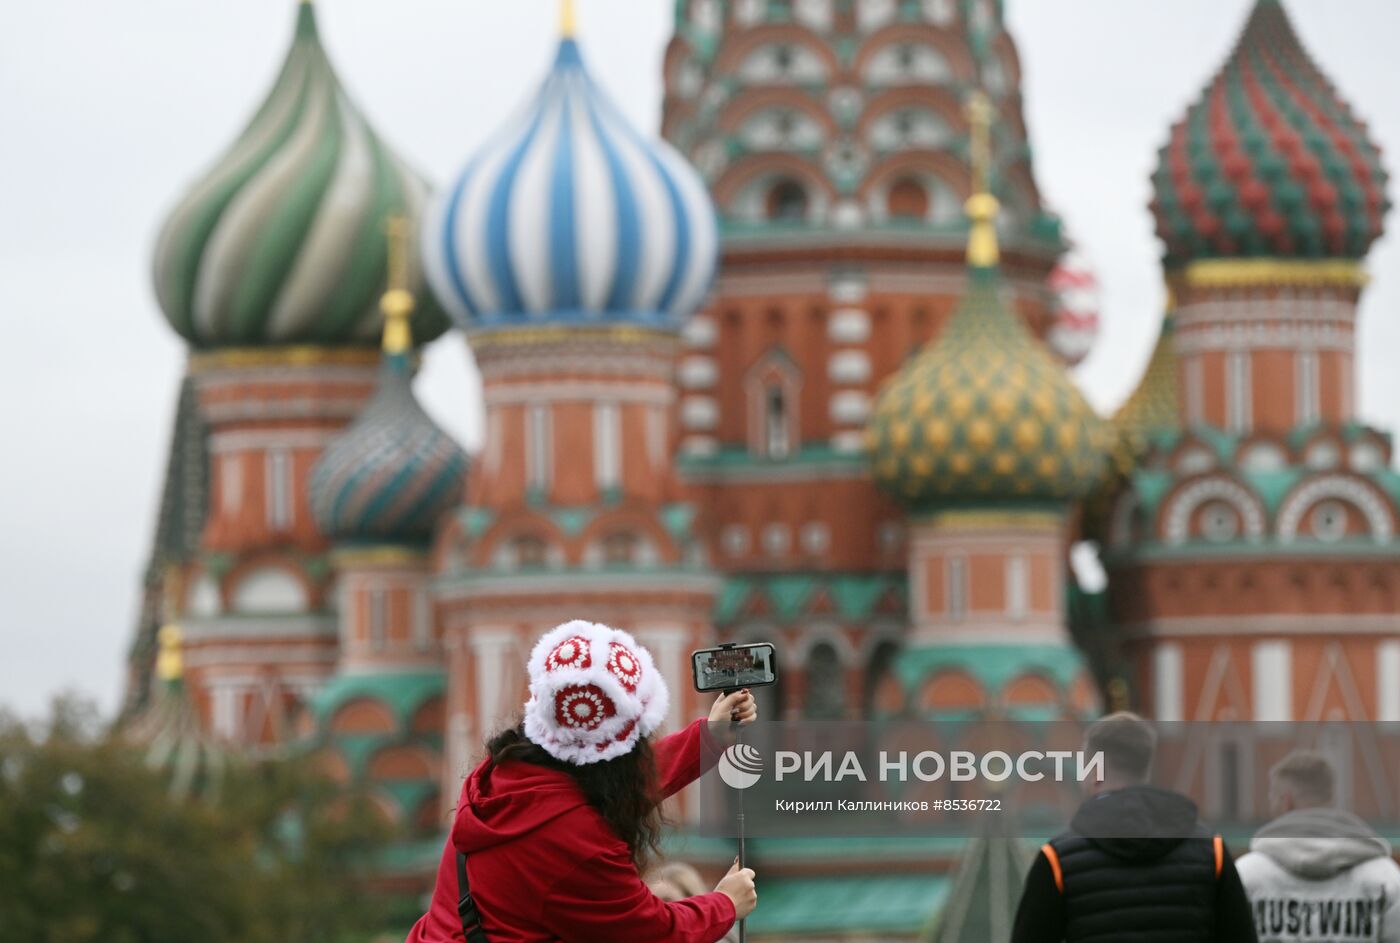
{"x": 391, "y": 473}
{"x": 568, "y": 215}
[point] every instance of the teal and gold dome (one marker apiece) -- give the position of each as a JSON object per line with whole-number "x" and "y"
{"x": 984, "y": 412}
{"x": 392, "y": 473}
{"x": 282, "y": 241}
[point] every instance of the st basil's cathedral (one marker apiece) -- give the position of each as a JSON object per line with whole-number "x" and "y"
{"x": 794, "y": 370}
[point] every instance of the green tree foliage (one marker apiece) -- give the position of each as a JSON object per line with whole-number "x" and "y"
{"x": 92, "y": 847}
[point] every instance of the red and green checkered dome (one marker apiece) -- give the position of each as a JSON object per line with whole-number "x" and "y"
{"x": 1269, "y": 161}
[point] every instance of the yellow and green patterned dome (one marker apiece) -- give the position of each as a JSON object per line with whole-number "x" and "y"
{"x": 1151, "y": 409}
{"x": 984, "y": 412}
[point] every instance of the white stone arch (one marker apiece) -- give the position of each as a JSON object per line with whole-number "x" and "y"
{"x": 205, "y": 598}
{"x": 782, "y": 127}
{"x": 787, "y": 61}
{"x": 269, "y": 589}
{"x": 906, "y": 126}
{"x": 1339, "y": 488}
{"x": 877, "y": 632}
{"x": 829, "y": 632}
{"x": 906, "y": 62}
{"x": 1176, "y": 525}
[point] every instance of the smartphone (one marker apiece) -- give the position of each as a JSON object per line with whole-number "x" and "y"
{"x": 731, "y": 667}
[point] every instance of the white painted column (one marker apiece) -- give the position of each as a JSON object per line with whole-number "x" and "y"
{"x": 1388, "y": 681}
{"x": 1272, "y": 678}
{"x": 667, "y": 647}
{"x": 489, "y": 647}
{"x": 1167, "y": 680}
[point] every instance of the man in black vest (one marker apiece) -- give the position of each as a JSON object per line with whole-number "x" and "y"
{"x": 1135, "y": 865}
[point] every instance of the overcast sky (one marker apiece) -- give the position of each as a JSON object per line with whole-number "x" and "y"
{"x": 108, "y": 110}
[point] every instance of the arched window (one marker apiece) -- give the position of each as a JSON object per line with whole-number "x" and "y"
{"x": 772, "y": 389}
{"x": 881, "y": 664}
{"x": 908, "y": 200}
{"x": 620, "y": 547}
{"x": 529, "y": 550}
{"x": 776, "y": 428}
{"x": 787, "y": 202}
{"x": 826, "y": 684}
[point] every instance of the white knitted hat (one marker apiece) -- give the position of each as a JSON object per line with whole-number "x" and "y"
{"x": 594, "y": 693}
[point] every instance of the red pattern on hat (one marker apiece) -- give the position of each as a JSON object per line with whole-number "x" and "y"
{"x": 582, "y": 707}
{"x": 624, "y": 666}
{"x": 570, "y": 653}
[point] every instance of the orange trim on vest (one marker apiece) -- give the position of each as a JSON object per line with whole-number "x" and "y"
{"x": 1219, "y": 844}
{"x": 1050, "y": 855}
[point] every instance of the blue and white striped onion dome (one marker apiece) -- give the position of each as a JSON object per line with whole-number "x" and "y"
{"x": 569, "y": 216}
{"x": 392, "y": 473}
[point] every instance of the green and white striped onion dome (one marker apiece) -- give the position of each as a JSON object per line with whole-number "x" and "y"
{"x": 283, "y": 241}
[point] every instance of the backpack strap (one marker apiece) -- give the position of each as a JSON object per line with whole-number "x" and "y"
{"x": 466, "y": 907}
{"x": 1053, "y": 856}
{"x": 1219, "y": 845}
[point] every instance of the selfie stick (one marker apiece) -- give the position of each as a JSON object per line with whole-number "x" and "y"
{"x": 738, "y": 738}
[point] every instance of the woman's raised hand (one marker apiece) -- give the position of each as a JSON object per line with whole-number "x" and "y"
{"x": 737, "y": 707}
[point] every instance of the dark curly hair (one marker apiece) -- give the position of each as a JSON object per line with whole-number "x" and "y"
{"x": 624, "y": 789}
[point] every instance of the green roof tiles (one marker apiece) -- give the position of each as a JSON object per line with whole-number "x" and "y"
{"x": 993, "y": 665}
{"x": 987, "y": 886}
{"x": 895, "y": 903}
{"x": 789, "y": 596}
{"x": 402, "y": 693}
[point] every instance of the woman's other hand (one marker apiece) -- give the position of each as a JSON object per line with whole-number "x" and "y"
{"x": 738, "y": 886}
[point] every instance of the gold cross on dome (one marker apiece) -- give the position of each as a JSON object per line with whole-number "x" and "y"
{"x": 397, "y": 300}
{"x": 982, "y": 250}
{"x": 980, "y": 115}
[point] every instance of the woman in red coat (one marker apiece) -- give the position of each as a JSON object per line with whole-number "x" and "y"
{"x": 556, "y": 820}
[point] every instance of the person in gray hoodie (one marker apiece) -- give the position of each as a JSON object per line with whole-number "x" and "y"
{"x": 1316, "y": 872}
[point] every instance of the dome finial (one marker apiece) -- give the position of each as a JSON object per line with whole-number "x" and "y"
{"x": 568, "y": 19}
{"x": 981, "y": 207}
{"x": 397, "y": 300}
{"x": 170, "y": 663}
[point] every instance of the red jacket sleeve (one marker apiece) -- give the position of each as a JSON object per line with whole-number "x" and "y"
{"x": 684, "y": 756}
{"x": 604, "y": 900}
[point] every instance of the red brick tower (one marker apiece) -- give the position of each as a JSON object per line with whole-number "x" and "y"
{"x": 834, "y": 142}
{"x": 570, "y": 250}
{"x": 270, "y": 268}
{"x": 1252, "y": 553}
